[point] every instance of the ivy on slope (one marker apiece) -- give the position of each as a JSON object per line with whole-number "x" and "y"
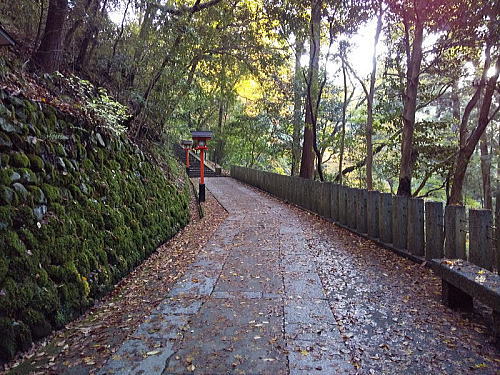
{"x": 80, "y": 207}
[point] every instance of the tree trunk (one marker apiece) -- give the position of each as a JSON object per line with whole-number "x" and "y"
{"x": 48, "y": 57}
{"x": 455, "y": 105}
{"x": 149, "y": 16}
{"x": 119, "y": 37}
{"x": 465, "y": 152}
{"x": 486, "y": 172}
{"x": 89, "y": 34}
{"x": 39, "y": 27}
{"x": 409, "y": 109}
{"x": 219, "y": 145}
{"x": 370, "y": 100}
{"x": 307, "y": 162}
{"x": 297, "y": 107}
{"x": 77, "y": 23}
{"x": 344, "y": 111}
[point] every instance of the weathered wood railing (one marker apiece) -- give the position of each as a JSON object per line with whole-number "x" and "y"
{"x": 416, "y": 229}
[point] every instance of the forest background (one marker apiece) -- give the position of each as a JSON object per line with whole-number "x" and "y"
{"x": 394, "y": 95}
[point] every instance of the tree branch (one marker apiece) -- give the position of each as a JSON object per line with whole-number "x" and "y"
{"x": 185, "y": 9}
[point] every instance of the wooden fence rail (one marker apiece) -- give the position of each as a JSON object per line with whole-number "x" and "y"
{"x": 421, "y": 230}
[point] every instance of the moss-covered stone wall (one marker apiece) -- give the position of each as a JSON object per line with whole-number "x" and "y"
{"x": 79, "y": 209}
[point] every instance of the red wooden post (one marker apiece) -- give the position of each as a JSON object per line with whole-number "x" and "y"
{"x": 186, "y": 144}
{"x": 201, "y": 138}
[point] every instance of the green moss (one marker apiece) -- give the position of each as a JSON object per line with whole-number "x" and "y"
{"x": 24, "y": 216}
{"x": 5, "y": 217}
{"x": 4, "y": 159}
{"x": 19, "y": 159}
{"x": 11, "y": 244}
{"x": 76, "y": 192}
{"x": 88, "y": 165}
{"x": 27, "y": 176}
{"x": 8, "y": 343}
{"x": 39, "y": 326}
{"x": 58, "y": 209}
{"x": 51, "y": 120}
{"x": 28, "y": 238}
{"x": 63, "y": 248}
{"x": 52, "y": 193}
{"x": 69, "y": 165}
{"x": 17, "y": 296}
{"x": 108, "y": 208}
{"x": 8, "y": 196}
{"x": 113, "y": 218}
{"x": 21, "y": 192}
{"x": 4, "y": 267}
{"x": 81, "y": 153}
{"x": 22, "y": 265}
{"x": 23, "y": 335}
{"x": 37, "y": 194}
{"x": 59, "y": 150}
{"x": 5, "y": 141}
{"x": 6, "y": 176}
{"x": 36, "y": 162}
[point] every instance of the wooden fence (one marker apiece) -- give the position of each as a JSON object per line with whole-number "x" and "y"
{"x": 418, "y": 229}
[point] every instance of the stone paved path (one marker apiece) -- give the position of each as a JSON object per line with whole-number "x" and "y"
{"x": 252, "y": 303}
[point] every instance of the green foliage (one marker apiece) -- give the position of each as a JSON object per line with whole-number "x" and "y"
{"x": 98, "y": 104}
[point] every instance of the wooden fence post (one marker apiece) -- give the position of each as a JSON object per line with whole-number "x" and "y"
{"x": 385, "y": 217}
{"x": 454, "y": 232}
{"x": 361, "y": 220}
{"x": 434, "y": 230}
{"x": 372, "y": 214}
{"x": 399, "y": 221}
{"x": 343, "y": 204}
{"x": 348, "y": 206}
{"x": 303, "y": 193}
{"x": 326, "y": 204}
{"x": 312, "y": 196}
{"x": 352, "y": 207}
{"x": 480, "y": 235}
{"x": 497, "y": 231}
{"x": 416, "y": 239}
{"x": 334, "y": 202}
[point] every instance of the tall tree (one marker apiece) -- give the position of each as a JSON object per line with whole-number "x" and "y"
{"x": 465, "y": 153}
{"x": 344, "y": 113}
{"x": 370, "y": 97}
{"x": 48, "y": 56}
{"x": 297, "y": 106}
{"x": 485, "y": 29}
{"x": 413, "y": 21}
{"x": 312, "y": 84}
{"x": 486, "y": 172}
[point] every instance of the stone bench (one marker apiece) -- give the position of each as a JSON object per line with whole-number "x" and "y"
{"x": 462, "y": 282}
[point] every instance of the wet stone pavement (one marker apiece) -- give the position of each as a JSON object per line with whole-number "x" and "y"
{"x": 279, "y": 291}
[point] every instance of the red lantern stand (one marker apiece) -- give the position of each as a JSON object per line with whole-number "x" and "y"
{"x": 201, "y": 138}
{"x": 186, "y": 144}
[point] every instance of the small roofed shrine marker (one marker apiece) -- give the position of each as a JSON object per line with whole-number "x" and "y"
{"x": 200, "y": 139}
{"x": 186, "y": 145}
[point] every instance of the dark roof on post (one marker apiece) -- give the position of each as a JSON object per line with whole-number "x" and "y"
{"x": 201, "y": 134}
{"x": 5, "y": 38}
